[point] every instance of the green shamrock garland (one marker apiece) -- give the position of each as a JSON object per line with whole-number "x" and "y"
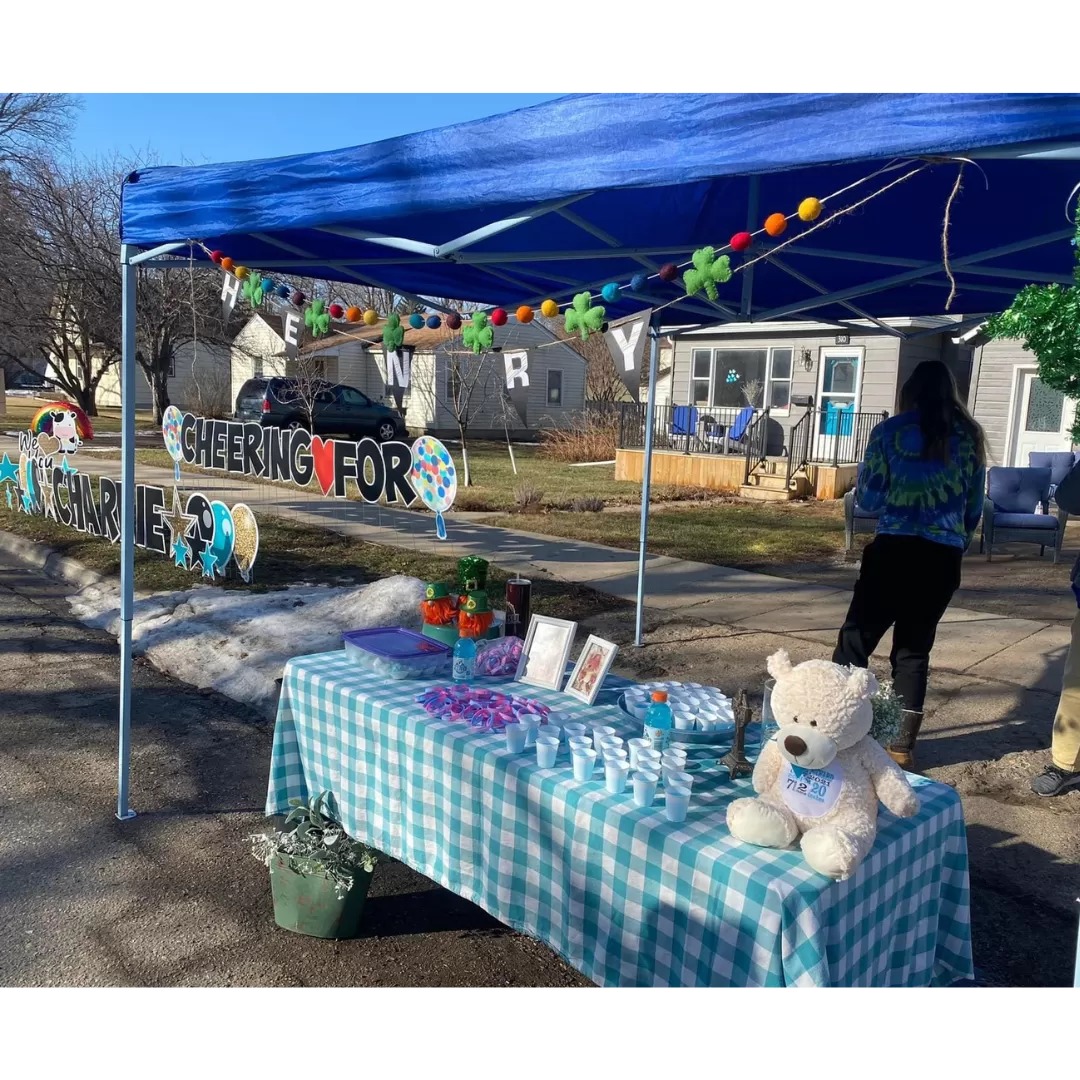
{"x": 253, "y": 290}
{"x": 478, "y": 335}
{"x": 393, "y": 333}
{"x": 582, "y": 316}
{"x": 707, "y": 273}
{"x": 317, "y": 319}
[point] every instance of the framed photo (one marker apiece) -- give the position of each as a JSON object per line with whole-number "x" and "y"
{"x": 591, "y": 669}
{"x": 545, "y": 652}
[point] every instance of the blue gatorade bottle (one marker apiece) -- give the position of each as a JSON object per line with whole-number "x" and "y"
{"x": 658, "y": 721}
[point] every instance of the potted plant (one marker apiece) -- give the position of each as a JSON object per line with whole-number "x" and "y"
{"x": 319, "y": 875}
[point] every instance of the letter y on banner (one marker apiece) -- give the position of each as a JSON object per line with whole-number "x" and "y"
{"x": 626, "y": 340}
{"x": 516, "y": 366}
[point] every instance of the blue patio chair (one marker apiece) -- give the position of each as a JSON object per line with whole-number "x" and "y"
{"x": 1010, "y": 515}
{"x": 856, "y": 519}
{"x": 1060, "y": 465}
{"x": 684, "y": 420}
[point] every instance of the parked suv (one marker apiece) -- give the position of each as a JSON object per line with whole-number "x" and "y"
{"x": 338, "y": 410}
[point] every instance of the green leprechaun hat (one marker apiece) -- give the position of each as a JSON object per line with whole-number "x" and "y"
{"x": 476, "y": 603}
{"x": 436, "y": 590}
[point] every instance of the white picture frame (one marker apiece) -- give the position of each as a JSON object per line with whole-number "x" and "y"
{"x": 586, "y": 680}
{"x": 547, "y": 648}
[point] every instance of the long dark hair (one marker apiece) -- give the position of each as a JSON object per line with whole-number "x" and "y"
{"x": 931, "y": 392}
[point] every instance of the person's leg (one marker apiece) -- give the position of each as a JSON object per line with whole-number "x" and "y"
{"x": 871, "y": 611}
{"x": 933, "y": 576}
{"x": 1064, "y": 772}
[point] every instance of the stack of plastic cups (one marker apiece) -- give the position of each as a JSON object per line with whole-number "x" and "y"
{"x": 584, "y": 763}
{"x": 515, "y": 737}
{"x": 547, "y": 749}
{"x": 676, "y": 802}
{"x": 645, "y": 787}
{"x": 616, "y": 770}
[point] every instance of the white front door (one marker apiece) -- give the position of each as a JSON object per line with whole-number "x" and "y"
{"x": 839, "y": 385}
{"x": 1041, "y": 419}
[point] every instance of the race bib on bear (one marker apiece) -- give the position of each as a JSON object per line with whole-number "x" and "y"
{"x": 811, "y": 792}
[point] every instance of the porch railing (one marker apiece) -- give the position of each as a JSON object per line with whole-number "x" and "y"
{"x": 840, "y": 436}
{"x": 757, "y": 443}
{"x": 799, "y": 441}
{"x": 691, "y": 429}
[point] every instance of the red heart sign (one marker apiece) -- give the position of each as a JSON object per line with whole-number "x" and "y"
{"x": 322, "y": 454}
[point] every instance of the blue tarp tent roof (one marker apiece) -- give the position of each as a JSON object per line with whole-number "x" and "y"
{"x": 592, "y": 188}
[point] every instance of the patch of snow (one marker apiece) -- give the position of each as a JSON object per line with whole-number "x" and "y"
{"x": 237, "y": 642}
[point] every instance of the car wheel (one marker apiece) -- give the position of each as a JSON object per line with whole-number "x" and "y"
{"x": 296, "y": 424}
{"x": 387, "y": 431}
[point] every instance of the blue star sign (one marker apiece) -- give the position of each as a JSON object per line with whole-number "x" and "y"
{"x": 209, "y": 561}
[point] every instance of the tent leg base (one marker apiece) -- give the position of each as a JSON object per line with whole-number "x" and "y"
{"x": 126, "y": 816}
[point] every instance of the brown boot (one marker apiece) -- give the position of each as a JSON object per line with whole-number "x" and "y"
{"x": 902, "y": 750}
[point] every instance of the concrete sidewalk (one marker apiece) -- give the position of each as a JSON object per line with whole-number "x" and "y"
{"x": 1028, "y": 652}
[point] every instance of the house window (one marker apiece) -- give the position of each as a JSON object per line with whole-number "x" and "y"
{"x": 172, "y": 366}
{"x": 257, "y": 368}
{"x": 700, "y": 376}
{"x": 554, "y": 387}
{"x": 779, "y": 383}
{"x": 739, "y": 377}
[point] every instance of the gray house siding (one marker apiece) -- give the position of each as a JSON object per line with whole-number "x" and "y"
{"x": 991, "y": 397}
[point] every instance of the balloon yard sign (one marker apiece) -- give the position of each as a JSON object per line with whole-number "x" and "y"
{"x": 390, "y": 472}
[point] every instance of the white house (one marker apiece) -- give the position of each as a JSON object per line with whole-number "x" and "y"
{"x": 354, "y": 356}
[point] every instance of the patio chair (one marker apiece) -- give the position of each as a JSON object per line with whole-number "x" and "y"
{"x": 1060, "y": 465}
{"x": 1010, "y": 515}
{"x": 684, "y": 419}
{"x": 856, "y": 519}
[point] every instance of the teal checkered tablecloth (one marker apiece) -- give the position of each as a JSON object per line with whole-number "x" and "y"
{"x": 625, "y": 896}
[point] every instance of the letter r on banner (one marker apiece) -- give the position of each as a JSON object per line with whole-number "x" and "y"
{"x": 516, "y": 367}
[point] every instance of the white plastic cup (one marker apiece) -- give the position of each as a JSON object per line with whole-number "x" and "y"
{"x": 645, "y": 788}
{"x": 611, "y": 742}
{"x": 679, "y": 779}
{"x": 515, "y": 737}
{"x": 634, "y": 745}
{"x": 615, "y": 773}
{"x": 530, "y": 721}
{"x": 674, "y": 757}
{"x": 648, "y": 760}
{"x": 575, "y": 731}
{"x": 584, "y": 763}
{"x": 684, "y": 722}
{"x": 547, "y": 750}
{"x": 599, "y": 734}
{"x": 615, "y": 753}
{"x": 579, "y": 742}
{"x": 676, "y": 802}
{"x": 551, "y": 729}
{"x": 668, "y": 769}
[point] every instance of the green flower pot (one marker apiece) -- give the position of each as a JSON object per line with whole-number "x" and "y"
{"x": 310, "y": 905}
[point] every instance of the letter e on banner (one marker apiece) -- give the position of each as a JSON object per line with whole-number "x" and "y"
{"x": 516, "y": 366}
{"x": 290, "y": 330}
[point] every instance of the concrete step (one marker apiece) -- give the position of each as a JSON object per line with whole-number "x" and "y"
{"x": 774, "y": 481}
{"x": 758, "y": 493}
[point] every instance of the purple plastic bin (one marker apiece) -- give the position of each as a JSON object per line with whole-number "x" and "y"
{"x": 397, "y": 653}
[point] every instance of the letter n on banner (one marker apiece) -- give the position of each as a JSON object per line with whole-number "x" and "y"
{"x": 399, "y": 372}
{"x": 516, "y": 366}
{"x": 230, "y": 291}
{"x": 626, "y": 340}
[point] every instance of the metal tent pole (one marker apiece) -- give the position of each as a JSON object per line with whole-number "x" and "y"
{"x": 646, "y": 471}
{"x": 127, "y": 525}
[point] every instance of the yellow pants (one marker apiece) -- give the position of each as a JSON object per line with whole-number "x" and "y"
{"x": 1065, "y": 748}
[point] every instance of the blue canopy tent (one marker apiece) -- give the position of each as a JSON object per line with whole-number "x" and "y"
{"x": 589, "y": 189}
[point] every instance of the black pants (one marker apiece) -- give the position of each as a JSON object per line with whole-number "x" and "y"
{"x": 906, "y": 583}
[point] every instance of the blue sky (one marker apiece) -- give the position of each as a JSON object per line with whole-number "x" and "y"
{"x": 201, "y": 128}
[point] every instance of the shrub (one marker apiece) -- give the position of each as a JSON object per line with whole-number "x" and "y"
{"x": 591, "y": 436}
{"x": 588, "y": 504}
{"x": 527, "y": 499}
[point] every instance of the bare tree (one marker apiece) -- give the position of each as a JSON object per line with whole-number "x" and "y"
{"x": 31, "y": 123}
{"x": 602, "y": 381}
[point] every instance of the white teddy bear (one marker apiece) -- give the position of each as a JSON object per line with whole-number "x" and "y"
{"x": 822, "y": 774}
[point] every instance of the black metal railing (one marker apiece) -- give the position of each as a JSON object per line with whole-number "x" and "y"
{"x": 757, "y": 443}
{"x": 840, "y": 436}
{"x": 799, "y": 442}
{"x": 692, "y": 429}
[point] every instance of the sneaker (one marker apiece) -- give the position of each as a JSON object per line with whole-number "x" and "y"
{"x": 1055, "y": 781}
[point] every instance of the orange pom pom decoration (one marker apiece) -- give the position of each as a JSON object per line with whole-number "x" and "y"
{"x": 809, "y": 209}
{"x": 473, "y": 624}
{"x": 775, "y": 224}
{"x": 549, "y": 309}
{"x": 241, "y": 272}
{"x": 227, "y": 263}
{"x": 354, "y": 314}
{"x": 524, "y": 314}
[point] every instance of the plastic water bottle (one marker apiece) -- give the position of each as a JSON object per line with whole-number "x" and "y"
{"x": 658, "y": 721}
{"x": 464, "y": 659}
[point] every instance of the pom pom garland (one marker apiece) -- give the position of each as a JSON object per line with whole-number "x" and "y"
{"x": 371, "y": 317}
{"x": 227, "y": 263}
{"x": 283, "y": 292}
{"x": 433, "y": 322}
{"x": 549, "y": 309}
{"x": 524, "y": 314}
{"x": 809, "y": 209}
{"x": 498, "y": 317}
{"x": 336, "y": 311}
{"x": 453, "y": 321}
{"x": 267, "y": 285}
{"x": 669, "y": 272}
{"x": 416, "y": 321}
{"x": 216, "y": 256}
{"x": 775, "y": 224}
{"x": 241, "y": 272}
{"x": 741, "y": 241}
{"x": 298, "y": 298}
{"x": 353, "y": 314}
{"x": 639, "y": 282}
{"x": 610, "y": 292}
